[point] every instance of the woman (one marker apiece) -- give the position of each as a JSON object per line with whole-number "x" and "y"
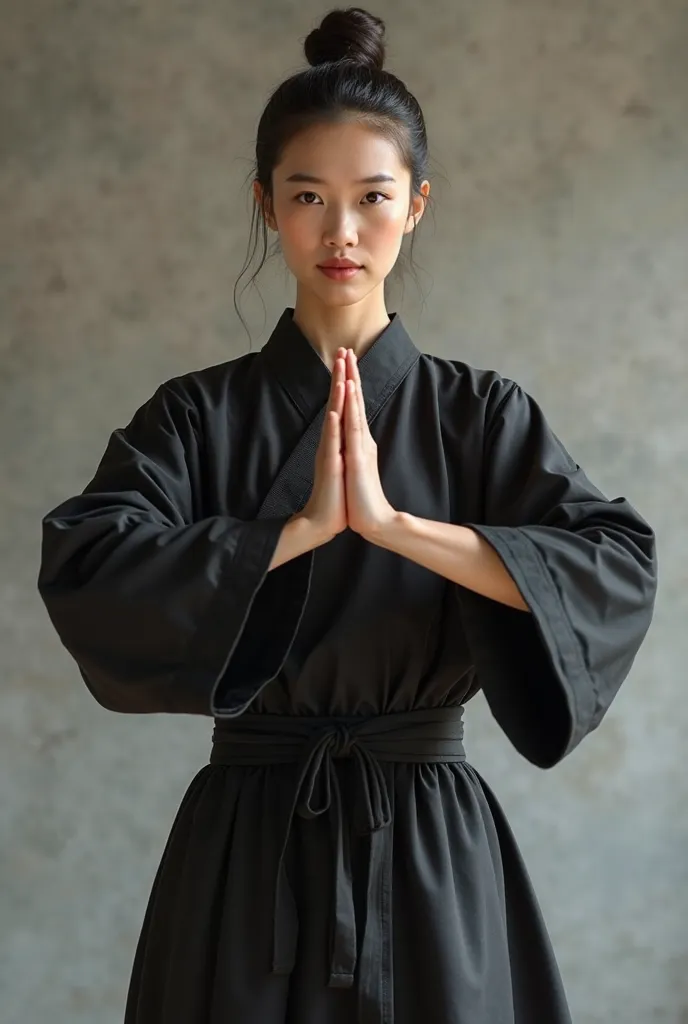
{"x": 330, "y": 546}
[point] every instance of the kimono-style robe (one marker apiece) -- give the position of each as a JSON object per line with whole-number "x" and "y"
{"x": 338, "y": 859}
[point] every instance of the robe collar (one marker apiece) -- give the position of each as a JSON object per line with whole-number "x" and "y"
{"x": 303, "y": 374}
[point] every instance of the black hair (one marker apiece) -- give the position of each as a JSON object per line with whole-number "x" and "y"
{"x": 346, "y": 77}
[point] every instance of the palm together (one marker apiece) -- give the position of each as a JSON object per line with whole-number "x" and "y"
{"x": 354, "y": 452}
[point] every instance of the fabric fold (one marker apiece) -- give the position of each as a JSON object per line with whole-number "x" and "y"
{"x": 586, "y": 567}
{"x": 150, "y": 600}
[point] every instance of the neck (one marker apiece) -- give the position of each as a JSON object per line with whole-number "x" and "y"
{"x": 328, "y": 327}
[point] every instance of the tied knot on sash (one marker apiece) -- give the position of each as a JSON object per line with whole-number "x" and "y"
{"x": 318, "y": 789}
{"x": 343, "y": 739}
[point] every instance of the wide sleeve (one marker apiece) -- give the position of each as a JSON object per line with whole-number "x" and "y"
{"x": 154, "y": 600}
{"x": 585, "y": 566}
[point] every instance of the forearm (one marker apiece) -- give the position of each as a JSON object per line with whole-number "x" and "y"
{"x": 298, "y": 536}
{"x": 456, "y": 552}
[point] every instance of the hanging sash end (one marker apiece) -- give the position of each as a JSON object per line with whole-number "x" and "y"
{"x": 338, "y": 980}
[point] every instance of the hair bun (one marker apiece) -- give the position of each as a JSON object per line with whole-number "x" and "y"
{"x": 347, "y": 34}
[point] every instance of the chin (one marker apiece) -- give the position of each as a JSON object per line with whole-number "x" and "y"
{"x": 337, "y": 293}
{"x": 345, "y": 296}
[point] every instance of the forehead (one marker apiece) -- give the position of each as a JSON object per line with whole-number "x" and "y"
{"x": 342, "y": 152}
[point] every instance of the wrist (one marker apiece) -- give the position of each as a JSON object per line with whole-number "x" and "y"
{"x": 387, "y": 533}
{"x": 313, "y": 534}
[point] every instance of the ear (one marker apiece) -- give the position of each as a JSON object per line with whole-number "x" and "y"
{"x": 417, "y": 209}
{"x": 264, "y": 205}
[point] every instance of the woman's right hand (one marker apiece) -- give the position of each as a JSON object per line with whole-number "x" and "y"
{"x": 326, "y": 507}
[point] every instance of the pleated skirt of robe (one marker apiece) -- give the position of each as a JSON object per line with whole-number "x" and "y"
{"x": 469, "y": 945}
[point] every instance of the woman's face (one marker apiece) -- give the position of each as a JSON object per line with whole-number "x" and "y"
{"x": 341, "y": 215}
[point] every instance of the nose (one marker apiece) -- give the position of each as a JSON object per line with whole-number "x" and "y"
{"x": 341, "y": 230}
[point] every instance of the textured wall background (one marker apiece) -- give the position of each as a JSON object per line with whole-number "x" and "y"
{"x": 558, "y": 254}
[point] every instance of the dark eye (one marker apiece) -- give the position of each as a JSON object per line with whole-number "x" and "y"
{"x": 300, "y": 196}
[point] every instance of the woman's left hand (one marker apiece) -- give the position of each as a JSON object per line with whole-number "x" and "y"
{"x": 368, "y": 510}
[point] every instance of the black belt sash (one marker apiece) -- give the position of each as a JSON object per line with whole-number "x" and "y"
{"x": 426, "y": 735}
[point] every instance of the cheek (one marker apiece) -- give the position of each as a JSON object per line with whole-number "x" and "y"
{"x": 297, "y": 232}
{"x": 389, "y": 227}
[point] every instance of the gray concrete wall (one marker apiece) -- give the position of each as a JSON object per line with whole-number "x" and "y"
{"x": 558, "y": 255}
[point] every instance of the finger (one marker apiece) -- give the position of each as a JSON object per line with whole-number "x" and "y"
{"x": 351, "y": 425}
{"x": 340, "y": 354}
{"x": 337, "y": 380}
{"x": 334, "y": 430}
{"x": 350, "y": 366}
{"x": 336, "y": 375}
{"x": 355, "y": 373}
{"x": 353, "y": 402}
{"x": 361, "y": 399}
{"x": 341, "y": 399}
{"x": 336, "y": 400}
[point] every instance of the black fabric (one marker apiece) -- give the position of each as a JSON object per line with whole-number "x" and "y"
{"x": 427, "y": 735}
{"x": 156, "y": 580}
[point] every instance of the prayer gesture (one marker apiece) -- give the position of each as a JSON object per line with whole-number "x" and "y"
{"x": 367, "y": 507}
{"x": 346, "y": 489}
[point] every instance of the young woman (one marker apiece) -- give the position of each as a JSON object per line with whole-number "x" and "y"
{"x": 330, "y": 546}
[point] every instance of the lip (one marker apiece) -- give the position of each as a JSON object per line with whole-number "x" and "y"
{"x": 340, "y": 273}
{"x": 335, "y": 264}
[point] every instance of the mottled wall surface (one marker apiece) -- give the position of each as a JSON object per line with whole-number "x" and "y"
{"x": 558, "y": 254}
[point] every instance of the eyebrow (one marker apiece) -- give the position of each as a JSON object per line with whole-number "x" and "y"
{"x": 374, "y": 179}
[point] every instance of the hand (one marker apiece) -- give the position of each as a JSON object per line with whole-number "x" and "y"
{"x": 326, "y": 507}
{"x": 368, "y": 510}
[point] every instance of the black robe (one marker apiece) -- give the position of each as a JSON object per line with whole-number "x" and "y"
{"x": 339, "y": 859}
